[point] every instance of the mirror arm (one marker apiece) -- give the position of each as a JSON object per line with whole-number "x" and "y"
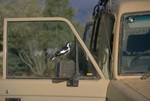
{"x": 73, "y": 82}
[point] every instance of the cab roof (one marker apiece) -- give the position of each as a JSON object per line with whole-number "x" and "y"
{"x": 127, "y": 6}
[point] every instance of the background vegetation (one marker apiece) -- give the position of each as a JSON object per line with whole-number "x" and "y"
{"x": 34, "y": 8}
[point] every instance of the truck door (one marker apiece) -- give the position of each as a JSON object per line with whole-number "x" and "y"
{"x": 46, "y": 60}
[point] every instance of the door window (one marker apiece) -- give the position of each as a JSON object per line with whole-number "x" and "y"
{"x": 41, "y": 49}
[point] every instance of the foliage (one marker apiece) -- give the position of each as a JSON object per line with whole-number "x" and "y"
{"x": 31, "y": 40}
{"x": 18, "y": 8}
{"x": 58, "y": 8}
{"x": 31, "y": 43}
{"x": 33, "y": 8}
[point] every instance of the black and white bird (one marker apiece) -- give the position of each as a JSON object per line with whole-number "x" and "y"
{"x": 63, "y": 51}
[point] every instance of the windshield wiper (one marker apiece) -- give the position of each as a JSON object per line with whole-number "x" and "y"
{"x": 146, "y": 75}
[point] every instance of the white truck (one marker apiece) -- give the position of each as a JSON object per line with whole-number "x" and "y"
{"x": 45, "y": 59}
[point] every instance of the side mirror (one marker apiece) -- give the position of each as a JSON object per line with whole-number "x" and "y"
{"x": 66, "y": 69}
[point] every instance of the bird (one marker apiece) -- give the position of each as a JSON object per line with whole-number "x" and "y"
{"x": 63, "y": 51}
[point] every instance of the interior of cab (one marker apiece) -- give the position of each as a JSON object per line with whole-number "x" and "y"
{"x": 135, "y": 46}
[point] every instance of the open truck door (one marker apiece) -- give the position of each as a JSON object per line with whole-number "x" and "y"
{"x": 42, "y": 62}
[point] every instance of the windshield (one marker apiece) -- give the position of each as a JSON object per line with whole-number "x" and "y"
{"x": 134, "y": 54}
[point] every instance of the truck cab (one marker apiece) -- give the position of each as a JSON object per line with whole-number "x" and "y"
{"x": 119, "y": 43}
{"x": 46, "y": 59}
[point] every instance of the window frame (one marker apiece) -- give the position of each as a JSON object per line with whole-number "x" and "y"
{"x": 109, "y": 39}
{"x": 121, "y": 72}
{"x": 47, "y": 19}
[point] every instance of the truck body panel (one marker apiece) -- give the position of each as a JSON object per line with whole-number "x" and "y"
{"x": 46, "y": 90}
{"x": 131, "y": 90}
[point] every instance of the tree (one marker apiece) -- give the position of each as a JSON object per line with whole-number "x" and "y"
{"x": 18, "y": 8}
{"x": 32, "y": 42}
{"x": 27, "y": 45}
{"x": 58, "y": 8}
